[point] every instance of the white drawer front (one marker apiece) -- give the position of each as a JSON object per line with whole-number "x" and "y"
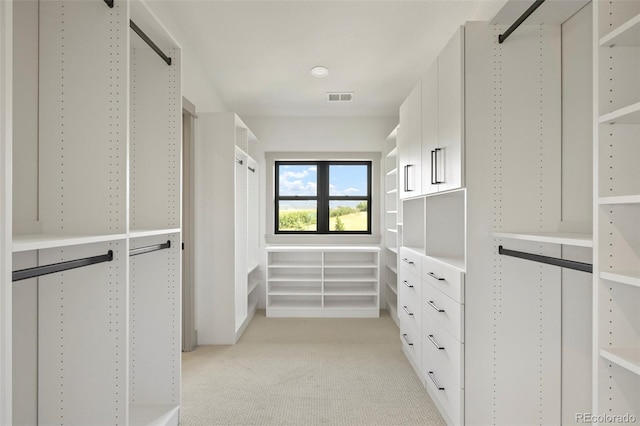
{"x": 446, "y": 311}
{"x": 411, "y": 345}
{"x": 448, "y": 396}
{"x": 439, "y": 346}
{"x": 410, "y": 300}
{"x": 445, "y": 278}
{"x": 410, "y": 261}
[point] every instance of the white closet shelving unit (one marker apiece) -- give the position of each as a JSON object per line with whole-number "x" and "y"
{"x": 616, "y": 357}
{"x": 227, "y": 271}
{"x": 323, "y": 281}
{"x": 97, "y": 160}
{"x": 391, "y": 205}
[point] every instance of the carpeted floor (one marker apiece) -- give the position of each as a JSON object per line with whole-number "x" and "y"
{"x": 291, "y": 371}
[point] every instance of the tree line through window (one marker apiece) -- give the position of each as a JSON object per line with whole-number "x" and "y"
{"x": 323, "y": 197}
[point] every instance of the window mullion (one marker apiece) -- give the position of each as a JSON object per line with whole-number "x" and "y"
{"x": 323, "y": 197}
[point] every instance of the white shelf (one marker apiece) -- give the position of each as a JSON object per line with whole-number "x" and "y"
{"x": 349, "y": 304}
{"x": 139, "y": 233}
{"x": 623, "y": 199}
{"x": 293, "y": 278}
{"x": 334, "y": 265}
{"x": 392, "y": 230}
{"x": 350, "y": 291}
{"x": 627, "y": 115}
{"x": 252, "y": 268}
{"x": 311, "y": 303}
{"x": 392, "y": 211}
{"x": 623, "y": 277}
{"x": 253, "y": 306}
{"x": 393, "y": 249}
{"x": 394, "y": 289}
{"x": 565, "y": 238}
{"x": 252, "y": 286}
{"x": 392, "y": 191}
{"x": 393, "y": 152}
{"x": 392, "y": 172}
{"x": 153, "y": 415}
{"x": 302, "y": 265}
{"x": 351, "y": 278}
{"x": 46, "y": 241}
{"x": 393, "y": 268}
{"x": 628, "y": 358}
{"x": 627, "y": 34}
{"x": 296, "y": 291}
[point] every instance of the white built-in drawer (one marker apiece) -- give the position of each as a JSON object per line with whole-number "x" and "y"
{"x": 411, "y": 346}
{"x": 409, "y": 301}
{"x": 444, "y": 277}
{"x": 443, "y": 389}
{"x": 411, "y": 261}
{"x": 441, "y": 348}
{"x": 446, "y": 311}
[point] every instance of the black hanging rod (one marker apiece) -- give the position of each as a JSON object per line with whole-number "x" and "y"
{"x": 147, "y": 40}
{"x": 38, "y": 271}
{"x": 521, "y": 19}
{"x": 149, "y": 249}
{"x": 109, "y": 3}
{"x": 564, "y": 263}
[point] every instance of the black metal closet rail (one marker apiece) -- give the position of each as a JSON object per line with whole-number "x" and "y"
{"x": 144, "y": 37}
{"x": 520, "y": 20}
{"x": 564, "y": 263}
{"x": 38, "y": 271}
{"x": 149, "y": 249}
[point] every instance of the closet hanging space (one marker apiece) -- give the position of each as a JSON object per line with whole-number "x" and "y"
{"x": 96, "y": 161}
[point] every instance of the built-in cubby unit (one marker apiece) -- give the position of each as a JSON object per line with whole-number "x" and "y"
{"x": 389, "y": 274}
{"x": 96, "y": 216}
{"x": 616, "y": 385}
{"x": 323, "y": 281}
{"x": 226, "y": 243}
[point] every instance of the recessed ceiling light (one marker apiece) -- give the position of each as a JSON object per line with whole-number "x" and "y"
{"x": 319, "y": 71}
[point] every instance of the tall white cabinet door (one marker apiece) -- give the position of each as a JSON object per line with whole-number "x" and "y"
{"x": 449, "y": 154}
{"x": 415, "y": 139}
{"x": 404, "y": 153}
{"x": 429, "y": 115}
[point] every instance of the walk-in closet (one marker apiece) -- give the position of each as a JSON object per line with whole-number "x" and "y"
{"x": 318, "y": 212}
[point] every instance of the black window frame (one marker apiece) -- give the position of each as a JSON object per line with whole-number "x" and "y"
{"x": 322, "y": 197}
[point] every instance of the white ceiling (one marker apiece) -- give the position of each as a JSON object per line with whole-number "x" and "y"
{"x": 259, "y": 53}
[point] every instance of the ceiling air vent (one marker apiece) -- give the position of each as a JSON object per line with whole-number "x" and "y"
{"x": 340, "y": 96}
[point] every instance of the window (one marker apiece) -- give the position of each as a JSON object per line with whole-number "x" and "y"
{"x": 323, "y": 197}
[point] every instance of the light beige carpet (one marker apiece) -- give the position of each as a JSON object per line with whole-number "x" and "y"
{"x": 291, "y": 371}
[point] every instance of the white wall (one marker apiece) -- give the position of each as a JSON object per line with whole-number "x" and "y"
{"x": 315, "y": 134}
{"x": 197, "y": 84}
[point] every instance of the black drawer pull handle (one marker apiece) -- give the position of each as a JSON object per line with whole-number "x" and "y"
{"x": 407, "y": 284}
{"x": 407, "y": 310}
{"x": 435, "y": 307}
{"x": 404, "y": 259}
{"x": 435, "y": 382}
{"x": 431, "y": 274}
{"x": 404, "y": 336}
{"x": 430, "y": 336}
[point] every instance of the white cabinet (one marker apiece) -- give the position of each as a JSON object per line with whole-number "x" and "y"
{"x": 432, "y": 117}
{"x": 410, "y": 144}
{"x": 448, "y": 153}
{"x": 98, "y": 162}
{"x": 429, "y": 117}
{"x": 616, "y": 272}
{"x": 323, "y": 281}
{"x": 226, "y": 239}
